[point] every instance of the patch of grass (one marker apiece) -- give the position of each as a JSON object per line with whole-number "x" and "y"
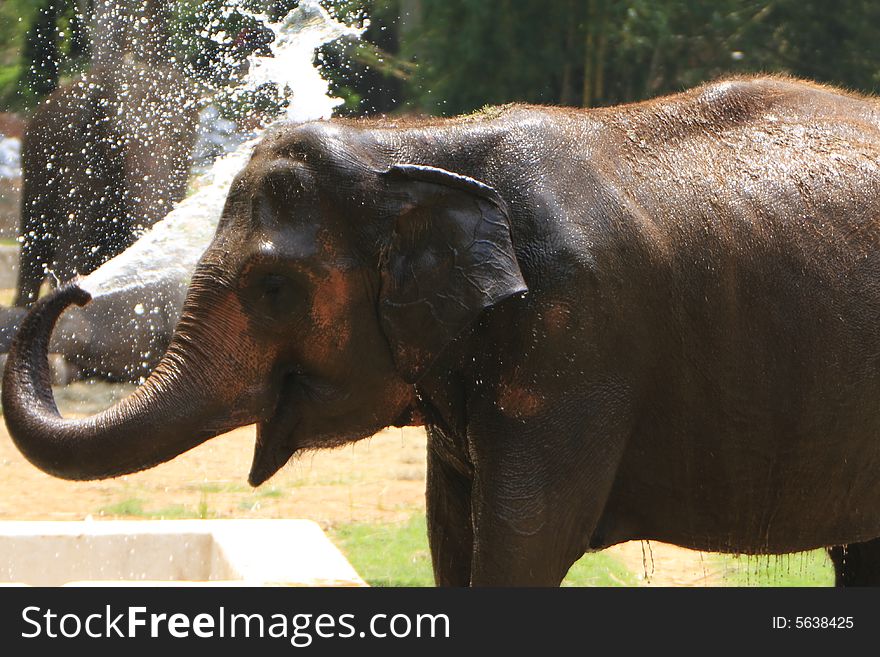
{"x": 219, "y": 487}
{"x": 204, "y": 514}
{"x": 177, "y": 512}
{"x": 129, "y": 507}
{"x": 269, "y": 492}
{"x": 134, "y": 508}
{"x": 398, "y": 555}
{"x": 388, "y": 555}
{"x": 599, "y": 569}
{"x": 801, "y": 569}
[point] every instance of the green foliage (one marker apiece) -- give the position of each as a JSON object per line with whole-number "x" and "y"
{"x": 588, "y": 52}
{"x": 42, "y": 55}
{"x": 208, "y": 39}
{"x": 15, "y": 19}
{"x": 9, "y": 76}
{"x": 454, "y": 56}
{"x": 470, "y": 53}
{"x": 39, "y": 42}
{"x": 369, "y": 74}
{"x": 212, "y": 38}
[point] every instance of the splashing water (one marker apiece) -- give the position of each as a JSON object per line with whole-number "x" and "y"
{"x": 168, "y": 253}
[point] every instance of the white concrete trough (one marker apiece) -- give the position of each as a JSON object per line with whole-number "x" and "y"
{"x": 172, "y": 553}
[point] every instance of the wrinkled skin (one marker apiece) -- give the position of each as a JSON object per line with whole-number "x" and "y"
{"x": 656, "y": 321}
{"x": 102, "y": 159}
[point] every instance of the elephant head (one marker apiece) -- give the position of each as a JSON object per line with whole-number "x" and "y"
{"x": 335, "y": 280}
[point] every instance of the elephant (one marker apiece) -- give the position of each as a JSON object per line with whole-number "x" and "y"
{"x": 651, "y": 321}
{"x": 103, "y": 158}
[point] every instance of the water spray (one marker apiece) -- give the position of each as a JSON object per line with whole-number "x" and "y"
{"x": 168, "y": 252}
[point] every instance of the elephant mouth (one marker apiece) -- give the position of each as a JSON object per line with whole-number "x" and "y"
{"x": 274, "y": 445}
{"x": 279, "y": 433}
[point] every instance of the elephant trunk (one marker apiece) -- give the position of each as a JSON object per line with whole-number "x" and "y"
{"x": 174, "y": 411}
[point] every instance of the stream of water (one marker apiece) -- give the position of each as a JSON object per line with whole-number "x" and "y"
{"x": 168, "y": 252}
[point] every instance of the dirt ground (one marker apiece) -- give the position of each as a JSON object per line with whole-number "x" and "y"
{"x": 378, "y": 480}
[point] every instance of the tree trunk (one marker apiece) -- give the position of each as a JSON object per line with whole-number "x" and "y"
{"x": 566, "y": 95}
{"x": 589, "y": 47}
{"x": 599, "y": 59}
{"x": 41, "y": 56}
{"x": 410, "y": 16}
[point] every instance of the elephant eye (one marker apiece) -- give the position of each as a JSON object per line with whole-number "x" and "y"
{"x": 275, "y": 296}
{"x": 273, "y": 285}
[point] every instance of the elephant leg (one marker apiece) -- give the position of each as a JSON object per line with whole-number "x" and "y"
{"x": 37, "y": 251}
{"x": 537, "y": 501}
{"x": 30, "y": 276}
{"x": 44, "y": 203}
{"x": 450, "y": 528}
{"x": 37, "y": 230}
{"x": 857, "y": 564}
{"x": 515, "y": 545}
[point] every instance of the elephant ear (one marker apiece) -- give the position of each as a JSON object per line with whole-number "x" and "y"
{"x": 450, "y": 257}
